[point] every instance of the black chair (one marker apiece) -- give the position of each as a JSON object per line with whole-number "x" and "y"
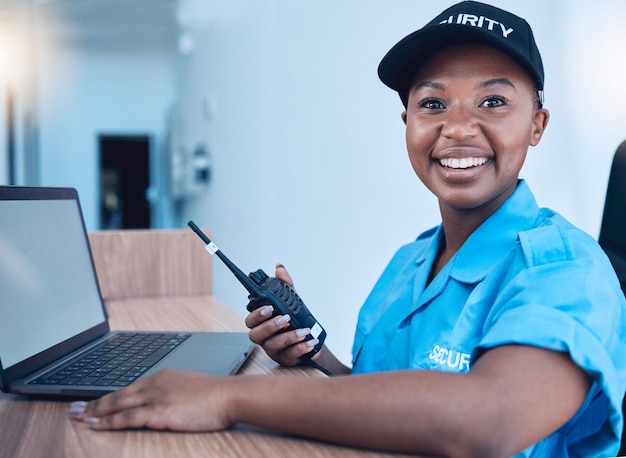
{"x": 613, "y": 230}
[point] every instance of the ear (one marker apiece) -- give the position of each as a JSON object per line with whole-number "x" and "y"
{"x": 404, "y": 117}
{"x": 540, "y": 122}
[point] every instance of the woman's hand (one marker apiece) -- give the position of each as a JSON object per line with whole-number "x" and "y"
{"x": 167, "y": 400}
{"x": 284, "y": 347}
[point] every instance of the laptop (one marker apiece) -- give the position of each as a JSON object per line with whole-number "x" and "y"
{"x": 55, "y": 338}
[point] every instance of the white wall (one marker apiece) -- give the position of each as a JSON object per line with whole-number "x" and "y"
{"x": 91, "y": 89}
{"x": 310, "y": 167}
{"x": 16, "y": 82}
{"x": 4, "y": 152}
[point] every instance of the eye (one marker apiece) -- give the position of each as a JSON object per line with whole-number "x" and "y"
{"x": 493, "y": 101}
{"x": 432, "y": 104}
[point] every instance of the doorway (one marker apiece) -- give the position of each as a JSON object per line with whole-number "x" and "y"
{"x": 124, "y": 181}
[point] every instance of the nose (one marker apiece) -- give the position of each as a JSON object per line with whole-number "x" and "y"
{"x": 459, "y": 123}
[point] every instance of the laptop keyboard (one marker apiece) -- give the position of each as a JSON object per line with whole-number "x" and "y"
{"x": 118, "y": 361}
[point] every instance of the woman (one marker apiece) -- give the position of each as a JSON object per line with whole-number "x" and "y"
{"x": 497, "y": 333}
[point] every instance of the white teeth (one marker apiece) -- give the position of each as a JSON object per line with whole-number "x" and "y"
{"x": 463, "y": 163}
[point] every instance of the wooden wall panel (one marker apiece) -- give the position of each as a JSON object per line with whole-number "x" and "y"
{"x": 151, "y": 263}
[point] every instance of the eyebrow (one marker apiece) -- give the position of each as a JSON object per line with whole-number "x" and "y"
{"x": 430, "y": 84}
{"x": 496, "y": 81}
{"x": 488, "y": 83}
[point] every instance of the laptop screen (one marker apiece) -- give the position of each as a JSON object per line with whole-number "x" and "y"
{"x": 49, "y": 290}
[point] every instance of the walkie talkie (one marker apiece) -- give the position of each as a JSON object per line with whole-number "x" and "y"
{"x": 266, "y": 290}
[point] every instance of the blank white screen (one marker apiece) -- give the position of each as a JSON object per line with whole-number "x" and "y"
{"x": 48, "y": 290}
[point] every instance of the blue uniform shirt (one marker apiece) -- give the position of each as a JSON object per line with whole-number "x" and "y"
{"x": 525, "y": 276}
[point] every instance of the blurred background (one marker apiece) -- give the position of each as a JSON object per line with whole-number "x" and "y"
{"x": 264, "y": 121}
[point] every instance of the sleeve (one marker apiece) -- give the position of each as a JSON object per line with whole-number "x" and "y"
{"x": 565, "y": 297}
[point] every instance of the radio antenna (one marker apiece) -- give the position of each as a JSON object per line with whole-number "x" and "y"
{"x": 213, "y": 249}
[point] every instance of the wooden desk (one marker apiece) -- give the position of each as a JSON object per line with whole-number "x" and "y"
{"x": 32, "y": 429}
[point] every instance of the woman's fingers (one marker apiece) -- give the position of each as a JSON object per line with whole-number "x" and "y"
{"x": 126, "y": 408}
{"x": 271, "y": 332}
{"x": 174, "y": 400}
{"x": 258, "y": 316}
{"x": 282, "y": 274}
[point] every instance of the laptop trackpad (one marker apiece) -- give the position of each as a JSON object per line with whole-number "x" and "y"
{"x": 212, "y": 359}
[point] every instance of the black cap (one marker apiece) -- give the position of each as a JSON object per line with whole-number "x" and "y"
{"x": 467, "y": 21}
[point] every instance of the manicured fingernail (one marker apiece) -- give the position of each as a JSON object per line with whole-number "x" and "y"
{"x": 78, "y": 407}
{"x": 267, "y": 310}
{"x": 283, "y": 319}
{"x": 279, "y": 265}
{"x": 303, "y": 332}
{"x": 313, "y": 342}
{"x": 91, "y": 420}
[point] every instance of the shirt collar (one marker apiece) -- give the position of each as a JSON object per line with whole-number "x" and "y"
{"x": 499, "y": 232}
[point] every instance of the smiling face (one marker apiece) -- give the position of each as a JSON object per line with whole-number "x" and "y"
{"x": 471, "y": 116}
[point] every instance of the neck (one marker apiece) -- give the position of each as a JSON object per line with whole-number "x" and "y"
{"x": 459, "y": 224}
